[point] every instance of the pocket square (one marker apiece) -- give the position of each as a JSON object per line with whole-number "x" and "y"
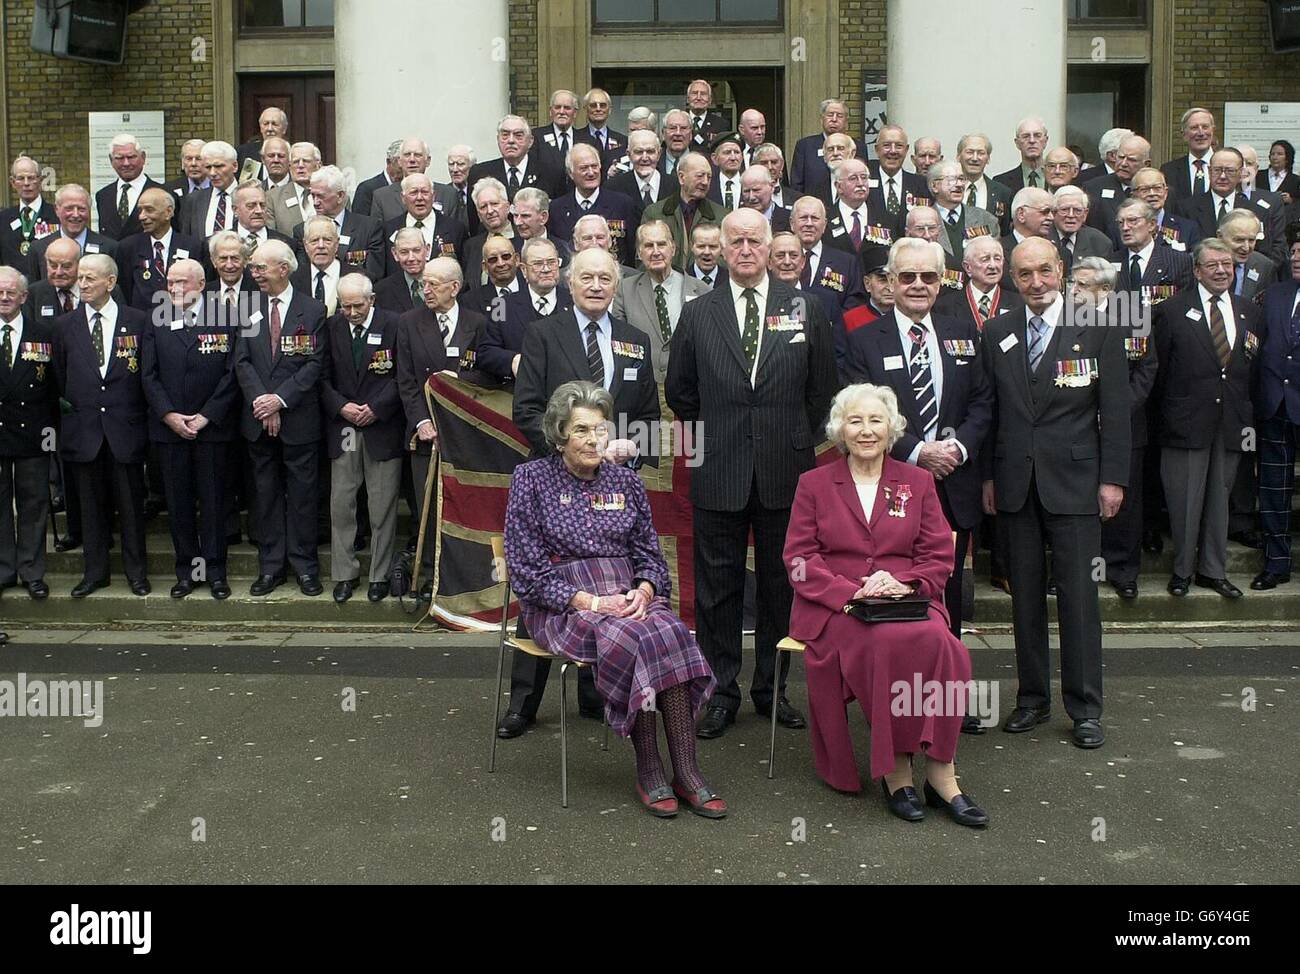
{"x": 797, "y": 337}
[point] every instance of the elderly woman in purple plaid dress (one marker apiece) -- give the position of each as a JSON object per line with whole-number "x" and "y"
{"x": 593, "y": 586}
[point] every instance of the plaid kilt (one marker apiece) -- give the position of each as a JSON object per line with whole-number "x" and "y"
{"x": 634, "y": 660}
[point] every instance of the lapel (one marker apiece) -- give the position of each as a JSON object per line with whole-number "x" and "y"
{"x": 643, "y": 293}
{"x": 1019, "y": 354}
{"x": 885, "y": 493}
{"x": 775, "y": 306}
{"x": 1202, "y": 327}
{"x": 947, "y": 364}
{"x": 571, "y": 343}
{"x": 848, "y": 493}
{"x": 427, "y": 333}
{"x": 890, "y": 343}
{"x": 1239, "y": 323}
{"x": 724, "y": 316}
{"x": 1063, "y": 336}
{"x": 118, "y": 330}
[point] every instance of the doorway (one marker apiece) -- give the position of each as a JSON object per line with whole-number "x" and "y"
{"x": 308, "y": 100}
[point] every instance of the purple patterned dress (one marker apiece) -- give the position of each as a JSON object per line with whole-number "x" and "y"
{"x": 565, "y": 535}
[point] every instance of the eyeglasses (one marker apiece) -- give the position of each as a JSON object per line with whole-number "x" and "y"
{"x": 543, "y": 264}
{"x": 1224, "y": 170}
{"x": 499, "y": 258}
{"x": 927, "y": 277}
{"x": 1218, "y": 265}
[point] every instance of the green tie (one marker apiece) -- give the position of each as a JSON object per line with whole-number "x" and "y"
{"x": 26, "y": 217}
{"x": 1033, "y": 179}
{"x": 97, "y": 336}
{"x": 661, "y": 306}
{"x": 123, "y": 210}
{"x": 749, "y": 340}
{"x": 417, "y": 296}
{"x": 358, "y": 345}
{"x": 7, "y": 346}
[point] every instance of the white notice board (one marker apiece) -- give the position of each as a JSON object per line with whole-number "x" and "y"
{"x": 1260, "y": 124}
{"x": 148, "y": 129}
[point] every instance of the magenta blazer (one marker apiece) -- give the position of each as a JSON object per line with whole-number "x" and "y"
{"x": 830, "y": 545}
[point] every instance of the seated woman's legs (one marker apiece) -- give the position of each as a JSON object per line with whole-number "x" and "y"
{"x": 645, "y": 742}
{"x": 942, "y": 776}
{"x": 901, "y": 776}
{"x": 679, "y": 724}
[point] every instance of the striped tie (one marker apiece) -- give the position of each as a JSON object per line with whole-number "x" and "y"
{"x": 594, "y": 361}
{"x": 1219, "y": 334}
{"x": 918, "y": 362}
{"x": 1037, "y": 341}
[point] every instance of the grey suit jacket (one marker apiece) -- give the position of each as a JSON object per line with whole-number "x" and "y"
{"x": 972, "y": 218}
{"x": 387, "y": 202}
{"x": 1265, "y": 272}
{"x": 635, "y": 304}
{"x": 1088, "y": 242}
{"x": 283, "y": 212}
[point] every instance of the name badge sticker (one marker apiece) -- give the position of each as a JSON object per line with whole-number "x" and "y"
{"x": 1008, "y": 343}
{"x": 629, "y": 375}
{"x": 453, "y": 351}
{"x": 182, "y": 254}
{"x": 1253, "y": 274}
{"x": 1194, "y": 314}
{"x": 255, "y": 317}
{"x": 345, "y": 239}
{"x": 1108, "y": 194}
{"x": 893, "y": 363}
{"x": 374, "y": 339}
{"x": 92, "y": 248}
{"x": 16, "y": 224}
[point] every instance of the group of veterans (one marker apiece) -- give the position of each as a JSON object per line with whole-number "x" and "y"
{"x": 1062, "y": 362}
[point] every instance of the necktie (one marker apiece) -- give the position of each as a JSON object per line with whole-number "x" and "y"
{"x": 891, "y": 204}
{"x": 1135, "y": 272}
{"x": 1295, "y": 324}
{"x": 600, "y": 137}
{"x": 564, "y": 144}
{"x": 1223, "y": 208}
{"x": 728, "y": 198}
{"x": 123, "y": 203}
{"x": 971, "y": 198}
{"x": 697, "y": 123}
{"x": 918, "y": 362}
{"x": 986, "y": 305}
{"x": 358, "y": 345}
{"x": 219, "y": 221}
{"x": 65, "y": 297}
{"x": 419, "y": 224}
{"x": 320, "y": 287}
{"x": 416, "y": 297}
{"x": 26, "y": 217}
{"x": 275, "y": 329}
{"x": 97, "y": 336}
{"x": 504, "y": 292}
{"x": 541, "y": 306}
{"x": 707, "y": 279}
{"x": 159, "y": 261}
{"x": 805, "y": 276}
{"x": 749, "y": 338}
{"x": 585, "y": 204}
{"x": 646, "y": 198}
{"x": 250, "y": 244}
{"x": 1067, "y": 245}
{"x": 856, "y": 233}
{"x": 444, "y": 328}
{"x": 661, "y": 308}
{"x": 1198, "y": 181}
{"x": 7, "y": 347}
{"x": 1219, "y": 334}
{"x": 952, "y": 218}
{"x": 512, "y": 183}
{"x": 1033, "y": 179}
{"x": 304, "y": 204}
{"x": 594, "y": 361}
{"x": 1037, "y": 341}
{"x": 230, "y": 297}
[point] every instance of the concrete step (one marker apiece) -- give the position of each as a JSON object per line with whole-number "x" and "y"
{"x": 1241, "y": 561}
{"x": 241, "y": 560}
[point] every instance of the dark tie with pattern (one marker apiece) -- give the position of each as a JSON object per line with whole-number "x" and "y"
{"x": 952, "y": 218}
{"x": 585, "y": 204}
{"x": 541, "y": 306}
{"x": 594, "y": 361}
{"x": 416, "y": 297}
{"x": 646, "y": 198}
{"x": 985, "y": 304}
{"x": 1198, "y": 182}
{"x": 856, "y": 233}
{"x": 728, "y": 198}
{"x": 971, "y": 198}
{"x": 27, "y": 222}
{"x": 891, "y": 203}
{"x": 1219, "y": 334}
{"x": 65, "y": 297}
{"x": 1033, "y": 179}
{"x": 444, "y": 326}
{"x": 707, "y": 279}
{"x": 358, "y": 345}
{"x": 159, "y": 260}
{"x": 97, "y": 336}
{"x": 320, "y": 287}
{"x": 275, "y": 329}
{"x": 7, "y": 346}
{"x": 805, "y": 276}
{"x": 1037, "y": 341}
{"x": 749, "y": 338}
{"x": 918, "y": 363}
{"x": 219, "y": 220}
{"x": 124, "y": 203}
{"x": 512, "y": 183}
{"x": 1067, "y": 249}
{"x": 661, "y": 309}
{"x": 1223, "y": 208}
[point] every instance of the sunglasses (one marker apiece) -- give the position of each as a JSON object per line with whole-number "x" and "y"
{"x": 927, "y": 277}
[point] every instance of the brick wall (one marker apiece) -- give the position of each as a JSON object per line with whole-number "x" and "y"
{"x": 862, "y": 45}
{"x": 48, "y": 98}
{"x": 523, "y": 59}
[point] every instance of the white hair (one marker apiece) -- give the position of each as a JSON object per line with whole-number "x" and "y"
{"x": 123, "y": 140}
{"x": 925, "y": 248}
{"x": 486, "y": 183}
{"x": 532, "y": 196}
{"x": 463, "y": 150}
{"x": 357, "y": 282}
{"x": 1110, "y": 140}
{"x": 852, "y": 395}
{"x": 307, "y": 147}
{"x": 331, "y": 178}
{"x": 1066, "y": 192}
{"x": 219, "y": 150}
{"x": 277, "y": 251}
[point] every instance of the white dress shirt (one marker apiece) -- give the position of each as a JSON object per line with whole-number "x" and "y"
{"x": 427, "y": 230}
{"x": 331, "y": 283}
{"x": 846, "y": 214}
{"x": 136, "y": 187}
{"x": 650, "y": 183}
{"x": 1205, "y": 170}
{"x": 672, "y": 285}
{"x": 1275, "y": 180}
{"x": 231, "y": 222}
{"x": 739, "y": 302}
{"x": 734, "y": 182}
{"x": 15, "y": 336}
{"x": 904, "y": 326}
{"x": 896, "y": 181}
{"x": 1225, "y": 308}
{"x": 814, "y": 260}
{"x": 604, "y": 340}
{"x": 1144, "y": 261}
{"x": 549, "y": 301}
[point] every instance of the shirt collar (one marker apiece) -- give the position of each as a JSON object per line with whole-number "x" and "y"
{"x": 905, "y": 323}
{"x": 165, "y": 240}
{"x": 534, "y": 297}
{"x": 1145, "y": 253}
{"x": 760, "y": 289}
{"x": 1207, "y": 297}
{"x": 595, "y": 194}
{"x": 136, "y": 183}
{"x": 285, "y": 296}
{"x": 1052, "y": 314}
{"x": 603, "y": 324}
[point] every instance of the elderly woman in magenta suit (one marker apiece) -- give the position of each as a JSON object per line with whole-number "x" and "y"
{"x": 593, "y": 585}
{"x": 869, "y": 526}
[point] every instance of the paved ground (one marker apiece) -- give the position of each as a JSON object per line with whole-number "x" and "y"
{"x": 249, "y": 734}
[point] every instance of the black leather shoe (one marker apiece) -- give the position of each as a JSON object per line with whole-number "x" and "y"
{"x": 266, "y": 584}
{"x": 343, "y": 590}
{"x": 220, "y": 589}
{"x": 786, "y": 715}
{"x": 1178, "y": 586}
{"x": 999, "y": 581}
{"x": 1267, "y": 580}
{"x": 1153, "y": 542}
{"x": 361, "y": 542}
{"x": 512, "y": 725}
{"x": 592, "y": 713}
{"x": 153, "y": 506}
{"x": 1051, "y": 587}
{"x": 426, "y": 592}
{"x": 905, "y": 803}
{"x": 4, "y": 638}
{"x": 962, "y": 809}
{"x": 67, "y": 544}
{"x": 141, "y": 587}
{"x": 714, "y": 723}
{"x": 1220, "y": 585}
{"x": 37, "y": 589}
{"x": 970, "y": 724}
{"x": 1251, "y": 539}
{"x": 1088, "y": 734}
{"x": 86, "y": 586}
{"x": 377, "y": 592}
{"x": 1025, "y": 718}
{"x": 1126, "y": 590}
{"x": 310, "y": 585}
{"x": 182, "y": 588}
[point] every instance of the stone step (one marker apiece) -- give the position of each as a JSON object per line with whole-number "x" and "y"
{"x": 1241, "y": 561}
{"x": 241, "y": 560}
{"x": 1154, "y": 606}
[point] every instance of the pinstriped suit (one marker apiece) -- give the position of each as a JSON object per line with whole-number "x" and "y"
{"x": 757, "y": 440}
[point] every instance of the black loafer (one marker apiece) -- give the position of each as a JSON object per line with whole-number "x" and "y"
{"x": 86, "y": 586}
{"x": 905, "y": 803}
{"x": 266, "y": 584}
{"x": 1153, "y": 542}
{"x": 962, "y": 809}
{"x": 970, "y": 724}
{"x": 1220, "y": 585}
{"x": 182, "y": 588}
{"x": 37, "y": 589}
{"x": 310, "y": 585}
{"x": 1267, "y": 580}
{"x": 220, "y": 589}
{"x": 1024, "y": 719}
{"x": 343, "y": 590}
{"x": 1178, "y": 586}
{"x": 1088, "y": 734}
{"x": 714, "y": 723}
{"x": 377, "y": 592}
{"x": 1126, "y": 590}
{"x": 786, "y": 715}
{"x": 512, "y": 725}
{"x": 67, "y": 544}
{"x": 141, "y": 587}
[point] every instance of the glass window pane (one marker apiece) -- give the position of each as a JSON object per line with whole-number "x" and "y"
{"x": 272, "y": 13}
{"x": 624, "y": 11}
{"x": 1108, "y": 10}
{"x": 751, "y": 10}
{"x": 675, "y": 11}
{"x": 320, "y": 13}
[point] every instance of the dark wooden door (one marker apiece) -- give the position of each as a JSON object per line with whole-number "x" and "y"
{"x": 308, "y": 100}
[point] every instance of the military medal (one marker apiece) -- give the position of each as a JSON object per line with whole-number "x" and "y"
{"x": 145, "y": 276}
{"x": 899, "y": 507}
{"x": 24, "y": 247}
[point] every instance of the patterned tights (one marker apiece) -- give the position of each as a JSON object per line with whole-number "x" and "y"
{"x": 679, "y": 725}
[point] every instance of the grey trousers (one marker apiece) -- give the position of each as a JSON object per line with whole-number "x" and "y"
{"x": 1197, "y": 485}
{"x": 382, "y": 478}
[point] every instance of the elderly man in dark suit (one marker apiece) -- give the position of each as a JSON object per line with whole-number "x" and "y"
{"x": 1107, "y": 147}
{"x": 103, "y": 439}
{"x": 27, "y": 413}
{"x": 502, "y": 344}
{"x": 1070, "y": 232}
{"x": 585, "y": 342}
{"x": 72, "y": 207}
{"x": 519, "y": 165}
{"x": 116, "y": 203}
{"x": 400, "y": 291}
{"x": 973, "y": 152}
{"x": 207, "y": 211}
{"x": 1031, "y": 140}
{"x": 1254, "y": 273}
{"x": 706, "y": 124}
{"x": 861, "y": 217}
{"x": 189, "y": 382}
{"x": 1189, "y": 174}
{"x": 32, "y": 219}
{"x": 646, "y": 184}
{"x": 361, "y": 239}
{"x": 557, "y": 138}
{"x": 588, "y": 197}
{"x": 143, "y": 258}
{"x": 444, "y": 236}
{"x": 1149, "y": 185}
{"x": 597, "y": 133}
{"x": 962, "y": 222}
{"x": 982, "y": 296}
{"x": 363, "y": 195}
{"x": 829, "y": 270}
{"x": 1107, "y": 193}
{"x": 896, "y": 189}
{"x": 1058, "y": 457}
{"x": 1149, "y": 268}
{"x": 688, "y": 206}
{"x": 320, "y": 270}
{"x": 278, "y": 363}
{"x": 493, "y": 210}
{"x": 500, "y": 265}
{"x": 388, "y": 202}
{"x": 756, "y": 188}
{"x": 1224, "y": 196}
{"x": 808, "y": 163}
{"x": 787, "y": 262}
{"x": 272, "y": 123}
{"x": 194, "y": 176}
{"x": 1207, "y": 343}
{"x": 758, "y": 376}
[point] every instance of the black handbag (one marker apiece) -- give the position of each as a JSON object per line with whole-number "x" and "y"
{"x": 912, "y": 608}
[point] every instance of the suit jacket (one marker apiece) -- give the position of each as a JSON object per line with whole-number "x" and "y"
{"x": 365, "y": 191}
{"x": 393, "y": 294}
{"x": 669, "y": 210}
{"x": 43, "y": 301}
{"x": 875, "y": 354}
{"x": 110, "y": 224}
{"x": 252, "y": 149}
{"x": 205, "y": 258}
{"x": 832, "y": 540}
{"x": 881, "y": 229}
{"x": 304, "y": 282}
{"x": 1143, "y": 366}
{"x": 448, "y": 239}
{"x": 1179, "y": 179}
{"x": 1199, "y": 400}
{"x": 714, "y": 124}
{"x": 1175, "y": 229}
{"x": 973, "y": 222}
{"x": 136, "y": 273}
{"x": 103, "y": 409}
{"x": 916, "y": 192}
{"x": 284, "y": 207}
{"x": 543, "y": 172}
{"x": 554, "y": 354}
{"x": 45, "y": 224}
{"x": 190, "y": 368}
{"x": 178, "y": 187}
{"x": 1271, "y": 213}
{"x": 547, "y": 142}
{"x": 626, "y": 183}
{"x": 191, "y": 214}
{"x": 808, "y": 164}
{"x": 362, "y": 247}
{"x": 373, "y": 383}
{"x": 618, "y": 210}
{"x": 615, "y": 144}
{"x": 1278, "y": 382}
{"x": 1088, "y": 242}
{"x": 1260, "y": 274}
{"x": 1105, "y": 195}
{"x": 485, "y": 297}
{"x": 1013, "y": 179}
{"x": 386, "y": 204}
{"x": 472, "y": 259}
{"x": 1166, "y": 268}
{"x": 503, "y": 334}
{"x": 635, "y": 303}
{"x": 28, "y": 396}
{"x": 293, "y": 374}
{"x": 96, "y": 243}
{"x": 1067, "y": 440}
{"x": 764, "y": 431}
{"x": 963, "y": 306}
{"x": 720, "y": 275}
{"x": 838, "y": 274}
{"x": 998, "y": 197}
{"x": 715, "y": 190}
